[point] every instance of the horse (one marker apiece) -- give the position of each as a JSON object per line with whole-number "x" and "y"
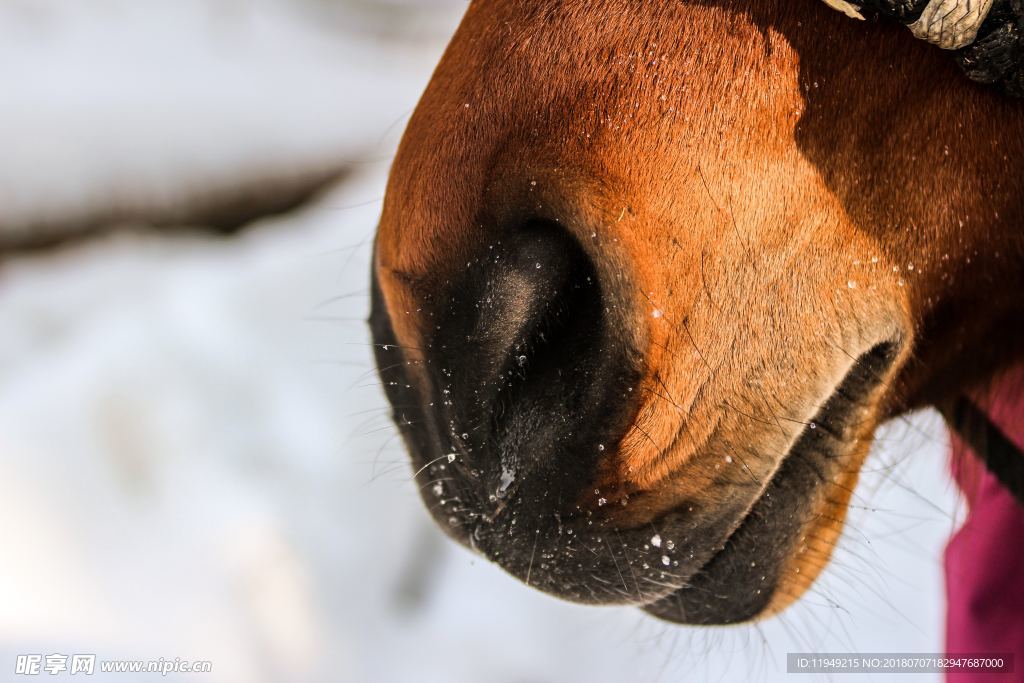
{"x": 649, "y": 276}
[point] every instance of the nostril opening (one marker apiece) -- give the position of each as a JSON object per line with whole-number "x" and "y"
{"x": 541, "y": 391}
{"x": 538, "y": 312}
{"x": 564, "y": 332}
{"x": 524, "y": 356}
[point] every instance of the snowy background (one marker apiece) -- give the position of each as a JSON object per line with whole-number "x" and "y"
{"x": 195, "y": 459}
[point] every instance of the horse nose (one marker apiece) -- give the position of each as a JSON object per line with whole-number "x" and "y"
{"x": 532, "y": 377}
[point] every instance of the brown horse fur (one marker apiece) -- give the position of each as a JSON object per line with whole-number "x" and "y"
{"x": 801, "y": 226}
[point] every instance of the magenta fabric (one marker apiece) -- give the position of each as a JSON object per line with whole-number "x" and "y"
{"x": 985, "y": 557}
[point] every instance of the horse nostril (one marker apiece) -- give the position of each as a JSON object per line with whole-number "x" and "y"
{"x": 514, "y": 301}
{"x": 524, "y": 361}
{"x": 521, "y": 318}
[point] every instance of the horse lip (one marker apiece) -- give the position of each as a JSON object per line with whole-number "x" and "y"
{"x": 740, "y": 522}
{"x": 486, "y": 531}
{"x": 865, "y": 378}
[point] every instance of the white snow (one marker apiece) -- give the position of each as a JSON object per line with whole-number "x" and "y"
{"x": 196, "y": 459}
{"x": 116, "y": 103}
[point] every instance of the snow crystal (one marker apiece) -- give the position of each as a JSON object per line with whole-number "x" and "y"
{"x": 507, "y": 477}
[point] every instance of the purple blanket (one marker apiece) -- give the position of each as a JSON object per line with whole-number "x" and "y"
{"x": 985, "y": 558}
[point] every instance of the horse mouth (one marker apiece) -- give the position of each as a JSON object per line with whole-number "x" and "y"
{"x": 528, "y": 503}
{"x": 739, "y": 582}
{"x": 726, "y": 568}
